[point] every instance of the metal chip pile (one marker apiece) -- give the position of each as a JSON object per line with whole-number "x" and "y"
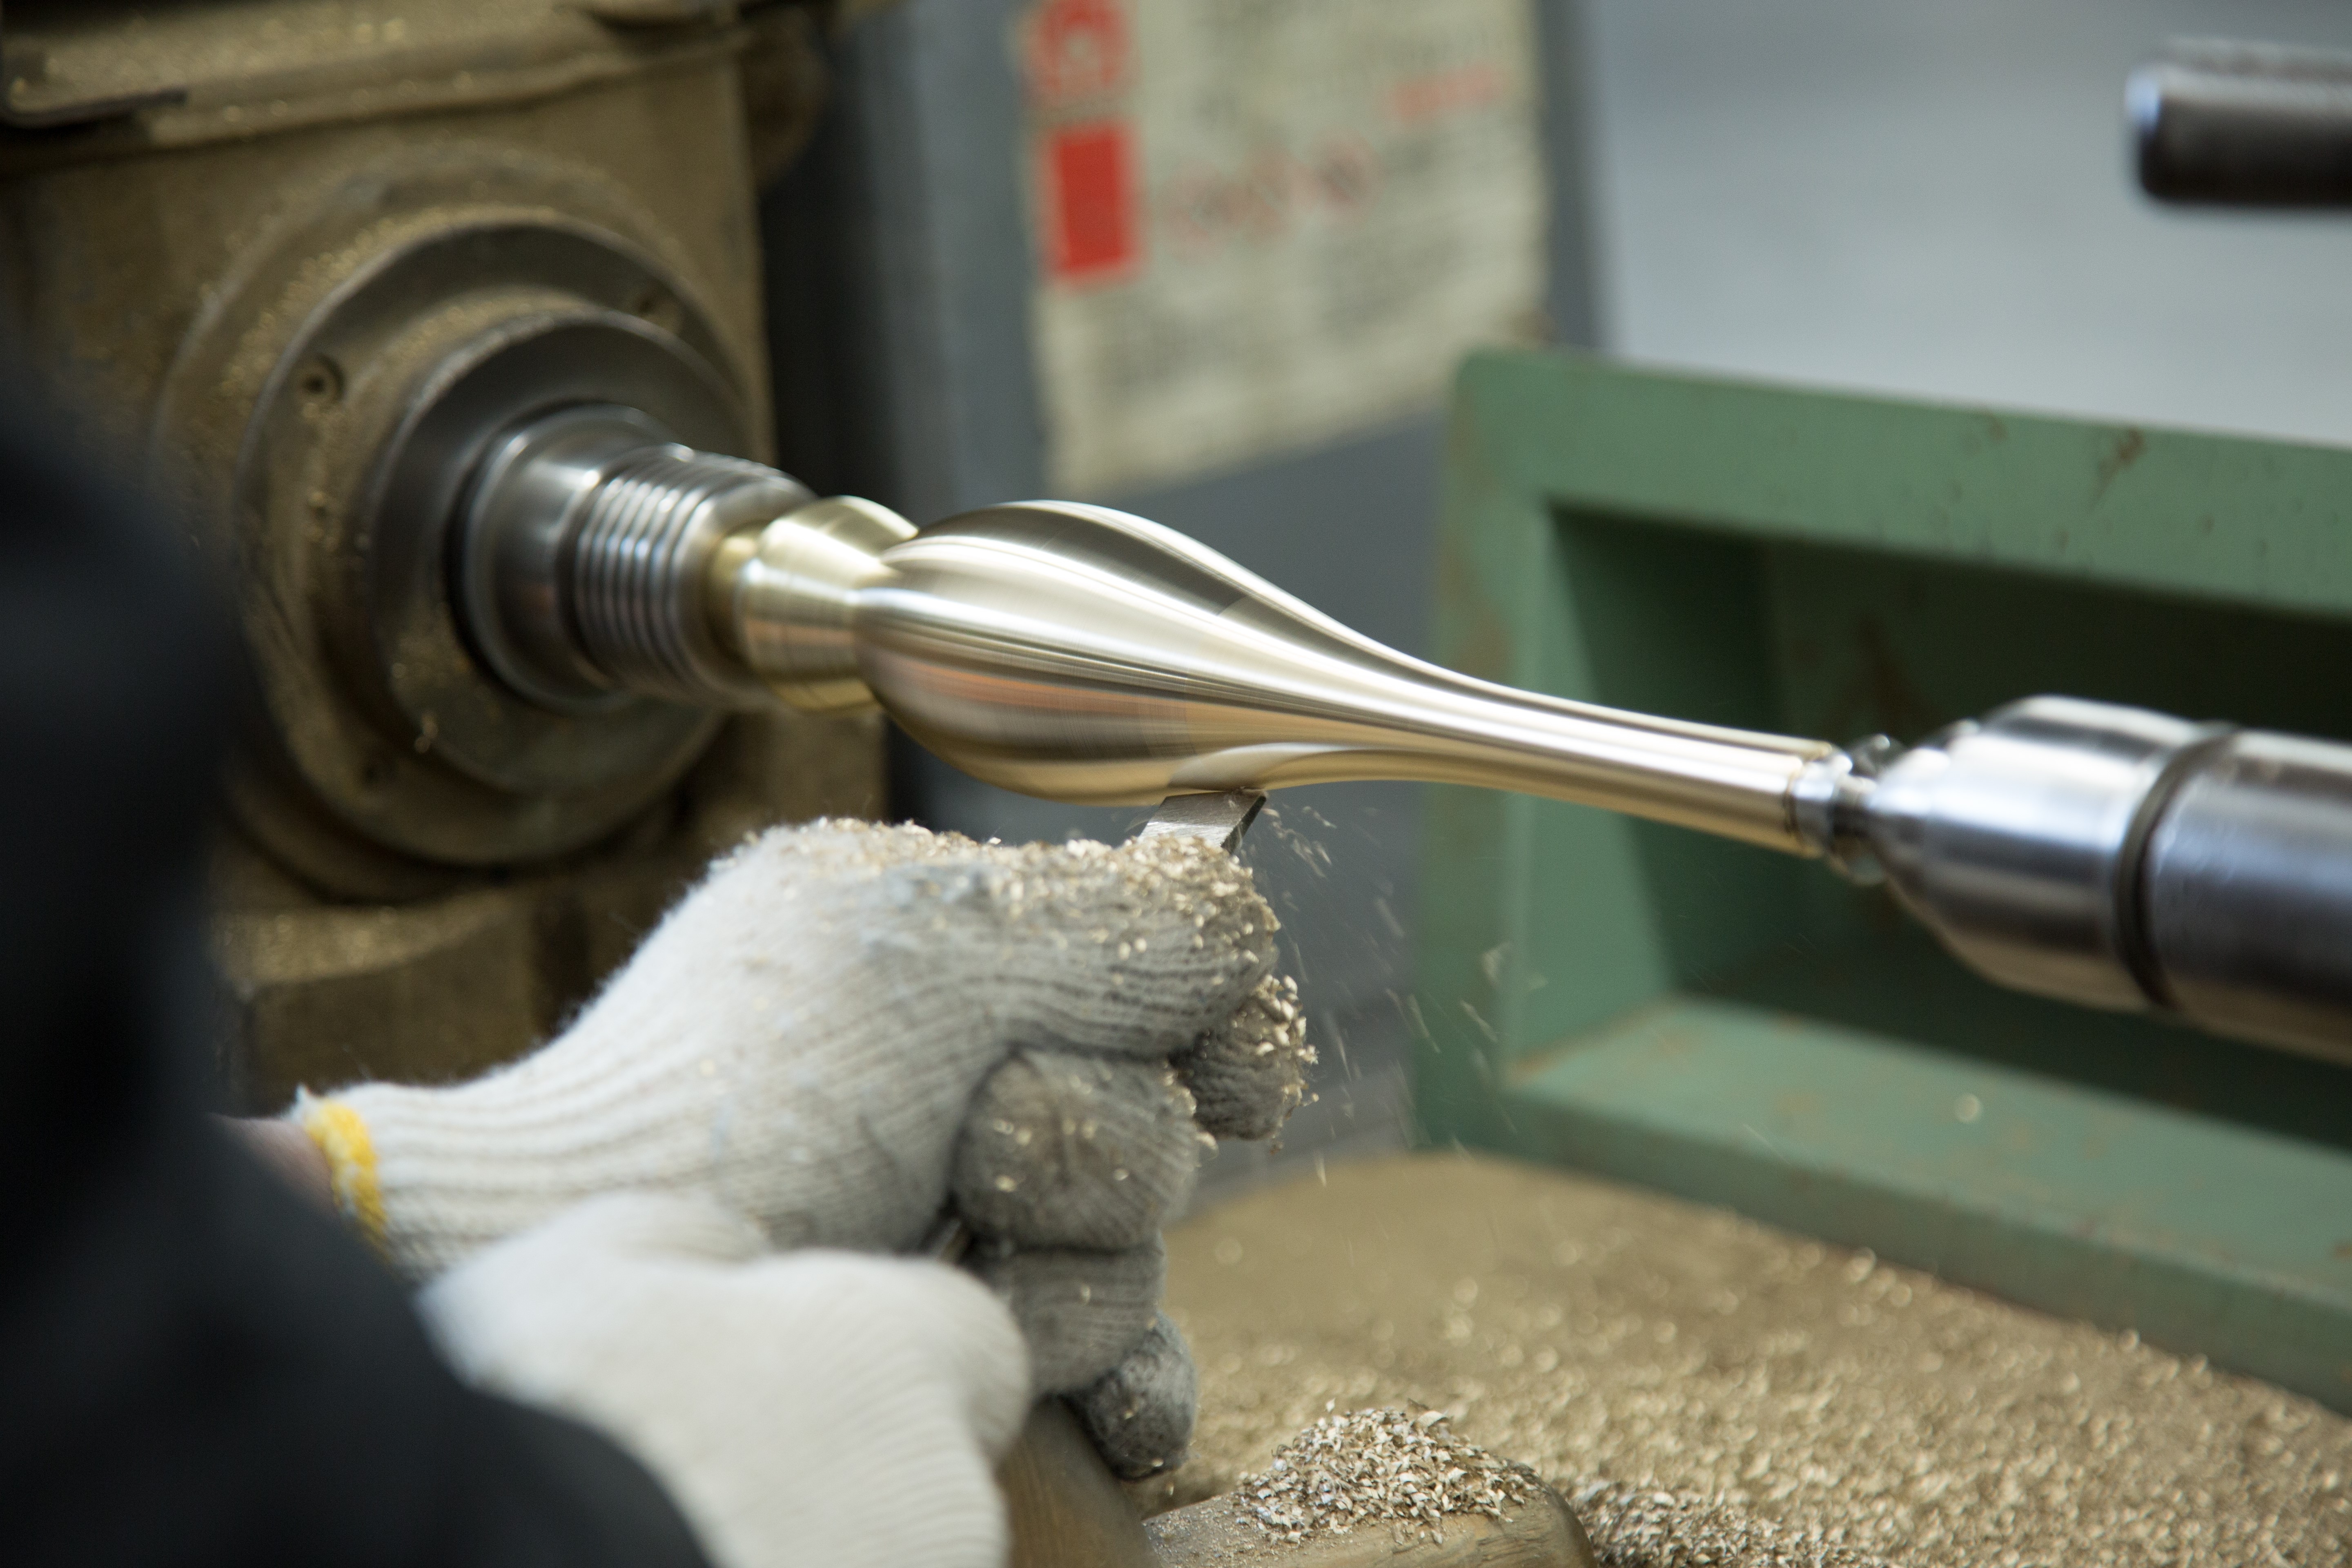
{"x": 1640, "y": 1527}
{"x": 1810, "y": 1397}
{"x": 1390, "y": 1465}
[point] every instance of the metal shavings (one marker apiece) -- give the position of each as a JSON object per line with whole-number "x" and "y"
{"x": 1387, "y": 1466}
{"x": 1142, "y": 899}
{"x": 1638, "y": 1527}
{"x": 1283, "y": 1040}
{"x": 1794, "y": 1397}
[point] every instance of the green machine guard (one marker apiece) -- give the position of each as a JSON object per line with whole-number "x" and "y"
{"x": 1733, "y": 1026}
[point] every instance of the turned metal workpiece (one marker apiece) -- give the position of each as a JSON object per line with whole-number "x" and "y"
{"x": 2099, "y": 854}
{"x": 1062, "y": 650}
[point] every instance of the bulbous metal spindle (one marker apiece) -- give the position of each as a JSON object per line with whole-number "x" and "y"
{"x": 1057, "y": 649}
{"x": 1085, "y": 655}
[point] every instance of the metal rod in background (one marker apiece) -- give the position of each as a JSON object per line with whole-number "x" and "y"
{"x": 2243, "y": 124}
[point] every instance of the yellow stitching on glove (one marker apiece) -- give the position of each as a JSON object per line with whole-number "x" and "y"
{"x": 341, "y": 1136}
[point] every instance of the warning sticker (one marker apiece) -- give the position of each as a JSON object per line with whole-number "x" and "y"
{"x": 1262, "y": 224}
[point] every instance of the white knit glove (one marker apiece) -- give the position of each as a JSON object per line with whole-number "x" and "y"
{"x": 806, "y": 1408}
{"x": 846, "y": 1030}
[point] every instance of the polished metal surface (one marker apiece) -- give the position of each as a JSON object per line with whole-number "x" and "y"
{"x": 1085, "y": 655}
{"x": 1088, "y": 655}
{"x": 2246, "y": 892}
{"x": 786, "y": 599}
{"x": 2016, "y": 841}
{"x": 1828, "y": 806}
{"x": 513, "y": 548}
{"x": 2120, "y": 859}
{"x": 583, "y": 559}
{"x": 657, "y": 520}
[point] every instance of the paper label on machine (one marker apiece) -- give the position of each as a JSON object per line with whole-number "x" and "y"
{"x": 1262, "y": 224}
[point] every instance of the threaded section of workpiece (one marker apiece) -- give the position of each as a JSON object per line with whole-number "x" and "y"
{"x": 637, "y": 561}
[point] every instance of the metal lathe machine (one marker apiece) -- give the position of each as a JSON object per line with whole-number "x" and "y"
{"x": 442, "y": 320}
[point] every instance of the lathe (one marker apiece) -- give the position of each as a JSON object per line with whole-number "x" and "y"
{"x": 464, "y": 368}
{"x": 441, "y": 322}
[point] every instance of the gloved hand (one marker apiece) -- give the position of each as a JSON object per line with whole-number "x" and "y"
{"x": 847, "y": 1029}
{"x": 806, "y": 1408}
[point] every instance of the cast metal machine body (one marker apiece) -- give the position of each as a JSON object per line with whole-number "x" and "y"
{"x": 2104, "y": 855}
{"x": 266, "y": 246}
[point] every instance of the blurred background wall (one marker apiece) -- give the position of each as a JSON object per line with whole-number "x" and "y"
{"x": 1925, "y": 197}
{"x": 1934, "y": 197}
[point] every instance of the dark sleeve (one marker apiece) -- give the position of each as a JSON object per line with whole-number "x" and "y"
{"x": 195, "y": 1366}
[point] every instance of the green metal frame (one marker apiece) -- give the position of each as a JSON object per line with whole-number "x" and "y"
{"x": 1744, "y": 1029}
